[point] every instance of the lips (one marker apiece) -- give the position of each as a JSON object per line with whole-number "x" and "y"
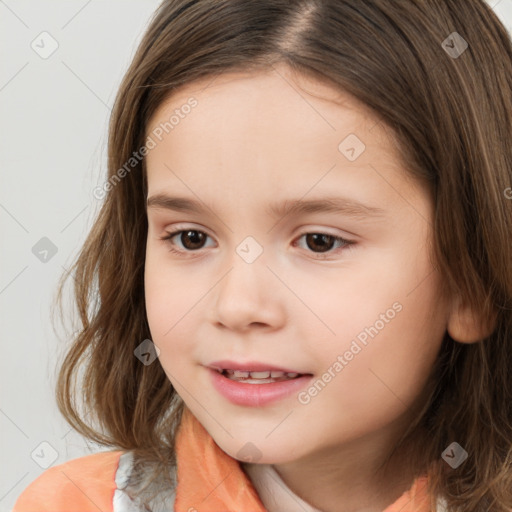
{"x": 257, "y": 394}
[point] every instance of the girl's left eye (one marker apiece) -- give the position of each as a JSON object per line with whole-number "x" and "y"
{"x": 192, "y": 240}
{"x": 324, "y": 241}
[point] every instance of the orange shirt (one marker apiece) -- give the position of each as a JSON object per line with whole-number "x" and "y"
{"x": 209, "y": 480}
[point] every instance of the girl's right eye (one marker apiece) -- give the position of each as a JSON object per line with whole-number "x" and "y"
{"x": 195, "y": 236}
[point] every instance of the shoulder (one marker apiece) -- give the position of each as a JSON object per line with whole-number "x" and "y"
{"x": 85, "y": 483}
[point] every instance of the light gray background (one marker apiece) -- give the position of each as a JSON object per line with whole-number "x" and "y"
{"x": 54, "y": 115}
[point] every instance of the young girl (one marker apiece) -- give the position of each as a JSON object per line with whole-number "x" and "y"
{"x": 297, "y": 295}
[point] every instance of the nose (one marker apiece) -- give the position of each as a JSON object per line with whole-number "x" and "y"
{"x": 248, "y": 296}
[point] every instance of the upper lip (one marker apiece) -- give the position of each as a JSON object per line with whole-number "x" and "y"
{"x": 249, "y": 366}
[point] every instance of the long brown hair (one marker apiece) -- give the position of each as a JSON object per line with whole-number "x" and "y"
{"x": 449, "y": 108}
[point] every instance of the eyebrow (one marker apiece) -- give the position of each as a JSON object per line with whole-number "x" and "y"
{"x": 330, "y": 204}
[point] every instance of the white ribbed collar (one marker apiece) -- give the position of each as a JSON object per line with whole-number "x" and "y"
{"x": 275, "y": 495}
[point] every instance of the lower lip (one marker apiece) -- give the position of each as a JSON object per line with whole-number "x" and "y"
{"x": 242, "y": 393}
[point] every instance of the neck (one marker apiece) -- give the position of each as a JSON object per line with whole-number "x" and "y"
{"x": 355, "y": 475}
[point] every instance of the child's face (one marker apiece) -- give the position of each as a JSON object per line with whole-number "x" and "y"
{"x": 366, "y": 319}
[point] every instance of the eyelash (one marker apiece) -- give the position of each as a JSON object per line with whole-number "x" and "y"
{"x": 346, "y": 243}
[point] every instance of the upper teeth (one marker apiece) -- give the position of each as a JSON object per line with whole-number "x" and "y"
{"x": 260, "y": 375}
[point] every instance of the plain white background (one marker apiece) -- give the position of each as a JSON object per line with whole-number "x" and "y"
{"x": 54, "y": 116}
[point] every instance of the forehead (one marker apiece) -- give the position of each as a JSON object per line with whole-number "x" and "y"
{"x": 272, "y": 131}
{"x": 268, "y": 92}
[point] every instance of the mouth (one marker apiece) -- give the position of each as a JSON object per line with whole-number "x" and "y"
{"x": 257, "y": 388}
{"x": 259, "y": 377}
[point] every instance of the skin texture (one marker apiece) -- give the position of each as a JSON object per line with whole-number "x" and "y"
{"x": 254, "y": 138}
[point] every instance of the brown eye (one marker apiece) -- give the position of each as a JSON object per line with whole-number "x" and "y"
{"x": 320, "y": 241}
{"x": 190, "y": 239}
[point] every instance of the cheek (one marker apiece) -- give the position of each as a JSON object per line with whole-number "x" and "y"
{"x": 377, "y": 385}
{"x": 388, "y": 358}
{"x": 389, "y": 327}
{"x": 169, "y": 295}
{"x": 175, "y": 308}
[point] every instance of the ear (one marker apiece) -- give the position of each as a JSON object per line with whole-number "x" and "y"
{"x": 467, "y": 325}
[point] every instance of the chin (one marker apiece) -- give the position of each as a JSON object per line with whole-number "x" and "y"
{"x": 258, "y": 453}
